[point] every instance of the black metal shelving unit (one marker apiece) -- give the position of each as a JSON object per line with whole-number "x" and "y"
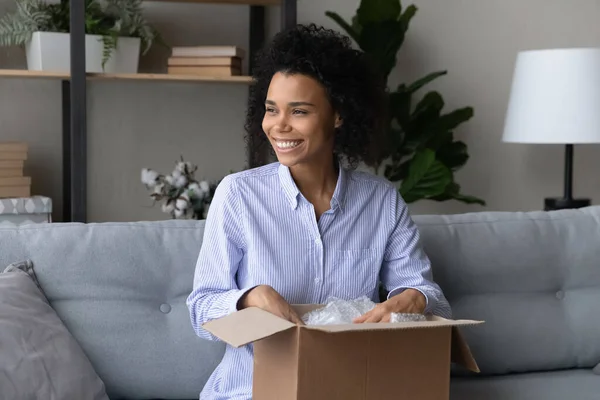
{"x": 74, "y": 96}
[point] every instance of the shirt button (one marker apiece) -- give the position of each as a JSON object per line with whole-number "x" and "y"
{"x": 317, "y": 280}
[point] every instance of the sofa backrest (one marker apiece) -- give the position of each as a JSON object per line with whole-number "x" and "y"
{"x": 534, "y": 277}
{"x": 120, "y": 289}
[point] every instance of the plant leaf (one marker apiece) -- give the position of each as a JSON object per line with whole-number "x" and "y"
{"x": 349, "y": 29}
{"x": 469, "y": 199}
{"x": 452, "y": 192}
{"x": 382, "y": 40}
{"x": 427, "y": 177}
{"x": 451, "y": 121}
{"x": 418, "y": 84}
{"x": 400, "y": 103}
{"x": 356, "y": 25}
{"x": 370, "y": 11}
{"x": 453, "y": 155}
{"x": 397, "y": 172}
{"x": 407, "y": 16}
{"x": 430, "y": 105}
{"x": 421, "y": 127}
{"x": 109, "y": 43}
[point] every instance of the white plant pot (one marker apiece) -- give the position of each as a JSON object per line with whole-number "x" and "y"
{"x": 50, "y": 51}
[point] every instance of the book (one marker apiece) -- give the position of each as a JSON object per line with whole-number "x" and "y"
{"x": 11, "y": 164}
{"x": 204, "y": 71}
{"x": 15, "y": 191}
{"x": 15, "y": 181}
{"x": 13, "y": 147}
{"x": 207, "y": 51}
{"x": 205, "y": 61}
{"x": 13, "y": 155}
{"x": 10, "y": 172}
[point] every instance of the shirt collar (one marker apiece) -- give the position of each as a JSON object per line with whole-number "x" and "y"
{"x": 291, "y": 190}
{"x": 288, "y": 185}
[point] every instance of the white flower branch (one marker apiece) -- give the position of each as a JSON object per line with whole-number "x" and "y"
{"x": 180, "y": 194}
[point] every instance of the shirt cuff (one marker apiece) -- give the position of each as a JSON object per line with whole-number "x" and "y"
{"x": 398, "y": 290}
{"x": 233, "y": 302}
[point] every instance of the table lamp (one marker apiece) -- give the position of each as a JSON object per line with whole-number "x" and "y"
{"x": 555, "y": 99}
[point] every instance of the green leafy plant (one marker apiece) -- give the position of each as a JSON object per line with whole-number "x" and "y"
{"x": 421, "y": 152}
{"x": 110, "y": 19}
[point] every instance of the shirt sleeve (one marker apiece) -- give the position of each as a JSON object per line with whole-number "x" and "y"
{"x": 405, "y": 264}
{"x": 215, "y": 292}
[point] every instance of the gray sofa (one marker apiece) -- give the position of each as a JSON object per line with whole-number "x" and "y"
{"x": 120, "y": 289}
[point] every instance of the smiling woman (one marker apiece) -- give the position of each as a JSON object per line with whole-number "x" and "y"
{"x": 308, "y": 227}
{"x": 312, "y": 80}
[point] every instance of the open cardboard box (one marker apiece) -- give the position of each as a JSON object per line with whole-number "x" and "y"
{"x": 408, "y": 360}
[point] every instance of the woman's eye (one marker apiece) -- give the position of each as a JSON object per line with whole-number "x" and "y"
{"x": 299, "y": 112}
{"x": 270, "y": 110}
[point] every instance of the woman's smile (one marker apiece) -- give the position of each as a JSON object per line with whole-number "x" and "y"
{"x": 287, "y": 146}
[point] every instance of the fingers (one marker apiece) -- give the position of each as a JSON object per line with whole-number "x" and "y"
{"x": 292, "y": 316}
{"x": 378, "y": 314}
{"x": 362, "y": 318}
{"x": 296, "y": 319}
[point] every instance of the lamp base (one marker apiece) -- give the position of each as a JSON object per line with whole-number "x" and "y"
{"x": 562, "y": 203}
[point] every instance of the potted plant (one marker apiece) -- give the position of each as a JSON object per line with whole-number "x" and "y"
{"x": 116, "y": 31}
{"x": 421, "y": 153}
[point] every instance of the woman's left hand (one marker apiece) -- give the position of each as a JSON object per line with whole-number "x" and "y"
{"x": 410, "y": 301}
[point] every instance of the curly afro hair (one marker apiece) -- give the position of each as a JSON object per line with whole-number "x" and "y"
{"x": 353, "y": 84}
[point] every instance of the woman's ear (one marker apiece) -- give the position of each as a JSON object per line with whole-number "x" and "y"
{"x": 338, "y": 121}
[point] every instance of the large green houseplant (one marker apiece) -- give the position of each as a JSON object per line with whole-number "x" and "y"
{"x": 109, "y": 19}
{"x": 421, "y": 151}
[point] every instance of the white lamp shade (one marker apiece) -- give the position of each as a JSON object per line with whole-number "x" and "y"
{"x": 555, "y": 97}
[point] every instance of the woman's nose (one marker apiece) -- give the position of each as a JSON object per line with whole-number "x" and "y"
{"x": 282, "y": 123}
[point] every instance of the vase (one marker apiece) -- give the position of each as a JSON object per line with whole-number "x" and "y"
{"x": 50, "y": 51}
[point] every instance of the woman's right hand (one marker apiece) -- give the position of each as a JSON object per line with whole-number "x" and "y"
{"x": 268, "y": 299}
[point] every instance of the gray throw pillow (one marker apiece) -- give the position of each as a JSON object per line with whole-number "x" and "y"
{"x": 596, "y": 369}
{"x": 40, "y": 358}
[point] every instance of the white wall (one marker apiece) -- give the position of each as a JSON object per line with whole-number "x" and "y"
{"x": 476, "y": 41}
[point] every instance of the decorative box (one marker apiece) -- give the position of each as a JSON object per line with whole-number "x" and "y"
{"x": 25, "y": 210}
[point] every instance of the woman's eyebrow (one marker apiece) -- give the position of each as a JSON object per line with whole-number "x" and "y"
{"x": 292, "y": 104}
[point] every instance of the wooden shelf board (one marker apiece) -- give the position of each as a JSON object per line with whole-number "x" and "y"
{"x": 23, "y": 73}
{"x": 247, "y": 2}
{"x": 170, "y": 77}
{"x": 17, "y": 73}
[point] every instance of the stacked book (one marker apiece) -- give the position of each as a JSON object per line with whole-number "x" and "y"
{"x": 12, "y": 160}
{"x": 214, "y": 61}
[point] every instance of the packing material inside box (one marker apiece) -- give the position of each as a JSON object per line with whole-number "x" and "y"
{"x": 402, "y": 360}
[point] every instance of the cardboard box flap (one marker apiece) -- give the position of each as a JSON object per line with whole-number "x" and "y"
{"x": 461, "y": 353}
{"x": 246, "y": 326}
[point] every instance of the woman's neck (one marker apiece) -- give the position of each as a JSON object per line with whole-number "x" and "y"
{"x": 316, "y": 182}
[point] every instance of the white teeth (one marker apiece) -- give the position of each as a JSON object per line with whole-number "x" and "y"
{"x": 287, "y": 145}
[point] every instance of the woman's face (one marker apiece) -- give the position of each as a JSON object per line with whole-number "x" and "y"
{"x": 299, "y": 120}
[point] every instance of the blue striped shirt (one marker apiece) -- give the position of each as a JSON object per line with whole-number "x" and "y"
{"x": 261, "y": 230}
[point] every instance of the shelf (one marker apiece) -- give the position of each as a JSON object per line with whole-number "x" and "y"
{"x": 246, "y": 2}
{"x": 17, "y": 73}
{"x": 23, "y": 73}
{"x": 166, "y": 77}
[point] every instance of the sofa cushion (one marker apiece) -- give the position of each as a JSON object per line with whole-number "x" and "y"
{"x": 534, "y": 277}
{"x": 558, "y": 385}
{"x": 120, "y": 289}
{"x": 40, "y": 358}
